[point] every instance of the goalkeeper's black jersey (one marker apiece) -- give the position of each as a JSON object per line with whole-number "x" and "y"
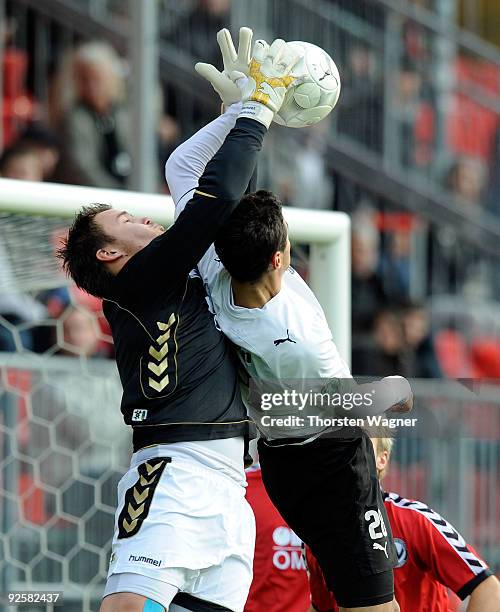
{"x": 177, "y": 370}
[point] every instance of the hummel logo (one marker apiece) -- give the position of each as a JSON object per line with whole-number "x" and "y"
{"x": 287, "y": 339}
{"x": 377, "y": 546}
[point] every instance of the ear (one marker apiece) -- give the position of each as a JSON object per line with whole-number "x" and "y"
{"x": 382, "y": 459}
{"x": 277, "y": 260}
{"x": 108, "y": 254}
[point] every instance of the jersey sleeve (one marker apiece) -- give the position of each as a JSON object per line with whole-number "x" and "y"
{"x": 223, "y": 182}
{"x": 443, "y": 552}
{"x": 321, "y": 598}
{"x": 187, "y": 163}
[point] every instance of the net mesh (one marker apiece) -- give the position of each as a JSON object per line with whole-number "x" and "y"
{"x": 63, "y": 445}
{"x": 27, "y": 246}
{"x": 63, "y": 450}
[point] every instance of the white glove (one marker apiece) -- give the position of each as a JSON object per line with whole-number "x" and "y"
{"x": 239, "y": 62}
{"x": 268, "y": 80}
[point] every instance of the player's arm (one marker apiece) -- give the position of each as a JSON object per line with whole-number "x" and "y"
{"x": 486, "y": 596}
{"x": 187, "y": 163}
{"x": 227, "y": 175}
{"x": 442, "y": 551}
{"x": 220, "y": 189}
{"x": 297, "y": 361}
{"x": 391, "y": 392}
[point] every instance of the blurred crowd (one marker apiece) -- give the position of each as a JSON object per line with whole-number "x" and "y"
{"x": 79, "y": 134}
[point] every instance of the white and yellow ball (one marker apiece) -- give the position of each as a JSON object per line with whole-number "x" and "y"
{"x": 317, "y": 91}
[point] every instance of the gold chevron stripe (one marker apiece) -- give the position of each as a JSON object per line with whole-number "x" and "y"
{"x": 140, "y": 497}
{"x": 165, "y": 326}
{"x": 146, "y": 483}
{"x": 158, "y": 369}
{"x": 158, "y": 386}
{"x": 135, "y": 514}
{"x": 158, "y": 355}
{"x": 163, "y": 338}
{"x": 207, "y": 195}
{"x": 129, "y": 526}
{"x": 152, "y": 468}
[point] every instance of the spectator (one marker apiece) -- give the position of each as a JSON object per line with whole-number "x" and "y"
{"x": 395, "y": 260}
{"x": 18, "y": 106}
{"x": 80, "y": 333}
{"x": 420, "y": 343}
{"x": 96, "y": 124}
{"x": 467, "y": 272}
{"x": 45, "y": 145}
{"x": 21, "y": 162}
{"x": 467, "y": 180}
{"x": 368, "y": 294}
{"x": 408, "y": 108}
{"x": 387, "y": 355}
{"x": 197, "y": 31}
{"x": 312, "y": 183}
{"x": 359, "y": 114}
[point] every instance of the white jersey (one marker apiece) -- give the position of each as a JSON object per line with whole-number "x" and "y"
{"x": 289, "y": 337}
{"x": 286, "y": 340}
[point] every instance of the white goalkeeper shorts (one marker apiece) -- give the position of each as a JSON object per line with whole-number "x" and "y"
{"x": 184, "y": 524}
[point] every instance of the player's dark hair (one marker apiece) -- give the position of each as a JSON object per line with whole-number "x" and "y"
{"x": 256, "y": 229}
{"x": 78, "y": 251}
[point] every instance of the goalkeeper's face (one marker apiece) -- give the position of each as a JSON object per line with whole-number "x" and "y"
{"x": 129, "y": 234}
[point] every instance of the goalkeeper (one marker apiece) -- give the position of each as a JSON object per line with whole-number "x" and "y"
{"x": 184, "y": 534}
{"x": 281, "y": 332}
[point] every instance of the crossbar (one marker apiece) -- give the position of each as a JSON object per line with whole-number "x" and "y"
{"x": 327, "y": 233}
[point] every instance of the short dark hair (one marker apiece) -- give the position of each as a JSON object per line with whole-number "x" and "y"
{"x": 78, "y": 252}
{"x": 256, "y": 229}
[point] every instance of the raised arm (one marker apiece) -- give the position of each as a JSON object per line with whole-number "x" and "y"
{"x": 219, "y": 190}
{"x": 228, "y": 173}
{"x": 187, "y": 163}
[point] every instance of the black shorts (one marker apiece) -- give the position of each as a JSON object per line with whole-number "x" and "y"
{"x": 329, "y": 494}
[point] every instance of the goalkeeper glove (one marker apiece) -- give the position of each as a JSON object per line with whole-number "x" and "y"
{"x": 234, "y": 62}
{"x": 268, "y": 80}
{"x": 268, "y": 73}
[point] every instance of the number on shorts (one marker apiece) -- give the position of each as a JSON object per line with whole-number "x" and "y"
{"x": 376, "y": 527}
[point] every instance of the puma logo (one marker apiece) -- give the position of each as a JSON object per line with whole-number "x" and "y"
{"x": 377, "y": 546}
{"x": 287, "y": 339}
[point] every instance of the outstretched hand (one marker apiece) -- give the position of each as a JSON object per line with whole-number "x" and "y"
{"x": 236, "y": 66}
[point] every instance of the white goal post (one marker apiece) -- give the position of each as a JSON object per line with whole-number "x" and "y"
{"x": 327, "y": 233}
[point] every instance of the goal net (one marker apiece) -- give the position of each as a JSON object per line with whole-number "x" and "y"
{"x": 63, "y": 445}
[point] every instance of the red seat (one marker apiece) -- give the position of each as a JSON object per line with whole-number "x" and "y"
{"x": 453, "y": 354}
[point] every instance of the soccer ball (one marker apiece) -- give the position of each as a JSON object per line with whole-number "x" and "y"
{"x": 317, "y": 93}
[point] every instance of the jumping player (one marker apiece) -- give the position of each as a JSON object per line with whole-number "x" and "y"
{"x": 432, "y": 556}
{"x": 183, "y": 532}
{"x": 270, "y": 313}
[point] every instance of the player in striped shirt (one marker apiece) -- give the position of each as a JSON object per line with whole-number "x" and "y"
{"x": 432, "y": 557}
